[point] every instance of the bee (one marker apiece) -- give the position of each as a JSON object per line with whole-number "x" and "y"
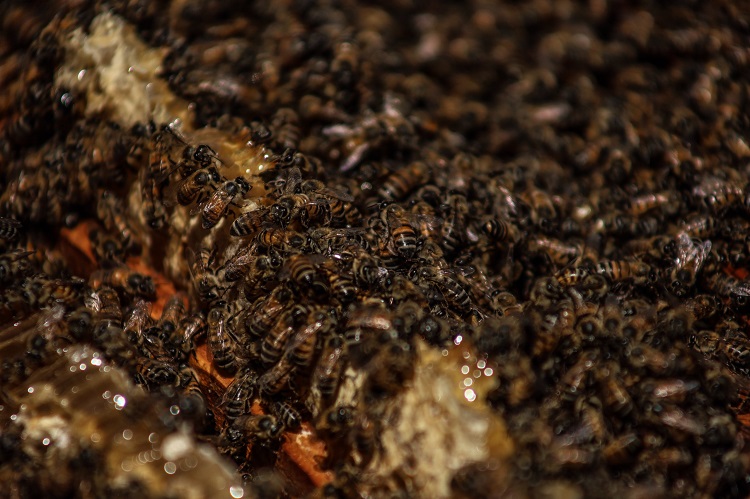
{"x": 400, "y": 235}
{"x": 221, "y": 341}
{"x": 287, "y": 415}
{"x": 726, "y": 286}
{"x": 622, "y": 450}
{"x": 303, "y": 271}
{"x": 152, "y": 373}
{"x": 287, "y": 208}
{"x": 446, "y": 281}
{"x": 10, "y": 228}
{"x": 172, "y": 314}
{"x": 260, "y": 319}
{"x": 250, "y": 222}
{"x": 688, "y": 263}
{"x": 259, "y": 427}
{"x": 282, "y": 239}
{"x": 622, "y": 270}
{"x": 152, "y": 206}
{"x": 191, "y": 189}
{"x": 238, "y": 264}
{"x": 14, "y": 265}
{"x": 137, "y": 323}
{"x": 641, "y": 204}
{"x": 274, "y": 343}
{"x": 543, "y": 211}
{"x": 401, "y": 182}
{"x": 342, "y": 283}
{"x": 238, "y": 396}
{"x": 193, "y": 401}
{"x": 560, "y": 253}
{"x": 107, "y": 249}
{"x": 340, "y": 209}
{"x": 218, "y": 203}
{"x": 285, "y": 124}
{"x": 274, "y": 380}
{"x": 327, "y": 373}
{"x": 301, "y": 347}
{"x": 576, "y": 380}
{"x": 188, "y": 330}
{"x": 205, "y": 280}
{"x": 111, "y": 212}
{"x": 717, "y": 194}
{"x": 700, "y": 226}
{"x": 127, "y": 281}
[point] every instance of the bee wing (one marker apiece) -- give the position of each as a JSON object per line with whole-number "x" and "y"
{"x": 742, "y": 288}
{"x": 335, "y": 193}
{"x": 293, "y": 180}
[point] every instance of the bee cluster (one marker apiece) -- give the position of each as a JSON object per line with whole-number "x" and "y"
{"x": 560, "y": 187}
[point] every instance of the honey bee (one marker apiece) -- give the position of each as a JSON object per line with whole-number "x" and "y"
{"x": 260, "y": 318}
{"x": 153, "y": 373}
{"x": 400, "y": 235}
{"x": 192, "y": 188}
{"x": 543, "y": 210}
{"x": 205, "y": 280}
{"x": 700, "y": 226}
{"x": 327, "y": 373}
{"x": 726, "y": 286}
{"x": 287, "y": 415}
{"x": 172, "y": 314}
{"x": 274, "y": 343}
{"x": 340, "y": 204}
{"x": 282, "y": 239}
{"x": 342, "y": 283}
{"x": 238, "y": 397}
{"x": 259, "y": 427}
{"x": 122, "y": 278}
{"x": 137, "y": 322}
{"x": 152, "y": 206}
{"x": 446, "y": 281}
{"x": 560, "y": 253}
{"x": 250, "y": 222}
{"x": 717, "y": 194}
{"x": 193, "y": 401}
{"x": 221, "y": 341}
{"x": 238, "y": 264}
{"x": 218, "y": 203}
{"x": 301, "y": 347}
{"x": 688, "y": 263}
{"x": 401, "y": 182}
{"x": 111, "y": 212}
{"x": 622, "y": 450}
{"x": 108, "y": 250}
{"x": 287, "y": 208}
{"x": 14, "y": 265}
{"x": 302, "y": 270}
{"x": 10, "y": 228}
{"x": 188, "y": 330}
{"x": 623, "y": 270}
{"x": 285, "y": 125}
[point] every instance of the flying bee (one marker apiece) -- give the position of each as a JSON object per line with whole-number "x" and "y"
{"x": 717, "y": 194}
{"x": 250, "y": 222}
{"x": 688, "y": 263}
{"x": 191, "y": 189}
{"x": 125, "y": 280}
{"x": 282, "y": 239}
{"x": 9, "y": 228}
{"x": 401, "y": 182}
{"x": 217, "y": 204}
{"x": 303, "y": 271}
{"x": 221, "y": 341}
{"x": 238, "y": 397}
{"x": 205, "y": 280}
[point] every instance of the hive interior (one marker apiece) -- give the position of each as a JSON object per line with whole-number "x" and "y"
{"x": 475, "y": 250}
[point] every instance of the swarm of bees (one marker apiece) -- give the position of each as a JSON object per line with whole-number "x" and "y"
{"x": 561, "y": 191}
